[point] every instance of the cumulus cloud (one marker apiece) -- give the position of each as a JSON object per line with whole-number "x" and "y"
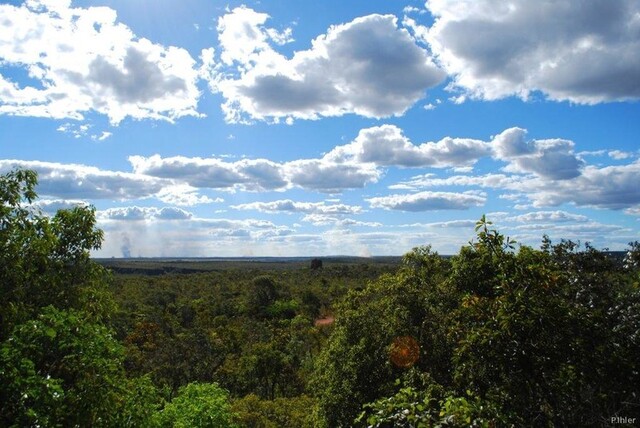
{"x": 549, "y": 216}
{"x": 135, "y": 213}
{"x": 289, "y": 206}
{"x": 71, "y": 181}
{"x": 584, "y": 52}
{"x": 553, "y": 158}
{"x": 619, "y": 154}
{"x": 81, "y": 60}
{"x": 429, "y": 201}
{"x": 386, "y": 145}
{"x": 326, "y": 176}
{"x": 610, "y": 187}
{"x": 184, "y": 195}
{"x": 369, "y": 67}
{"x": 337, "y": 221}
{"x": 214, "y": 173}
{"x": 257, "y": 175}
{"x": 243, "y": 36}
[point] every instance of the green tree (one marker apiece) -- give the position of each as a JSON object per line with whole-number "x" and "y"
{"x": 355, "y": 366}
{"x": 61, "y": 369}
{"x": 261, "y": 293}
{"x": 45, "y": 260}
{"x": 292, "y": 412}
{"x": 203, "y": 405}
{"x": 510, "y": 336}
{"x": 59, "y": 362}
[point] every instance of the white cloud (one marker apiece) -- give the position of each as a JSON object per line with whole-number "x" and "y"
{"x": 75, "y": 130}
{"x": 463, "y": 224}
{"x": 369, "y": 67}
{"x": 289, "y": 206}
{"x": 585, "y": 230}
{"x": 243, "y": 37}
{"x": 552, "y": 158}
{"x": 184, "y": 195}
{"x": 135, "y": 213}
{"x": 619, "y": 155}
{"x": 386, "y": 145}
{"x": 337, "y": 221}
{"x": 316, "y": 213}
{"x": 83, "y": 60}
{"x": 429, "y": 201}
{"x": 633, "y": 210}
{"x": 610, "y": 187}
{"x": 72, "y": 181}
{"x": 497, "y": 181}
{"x": 584, "y": 52}
{"x": 258, "y": 175}
{"x": 326, "y": 176}
{"x": 214, "y": 173}
{"x": 549, "y": 216}
{"x": 101, "y": 137}
{"x": 412, "y": 9}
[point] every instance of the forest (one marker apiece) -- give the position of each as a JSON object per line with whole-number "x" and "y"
{"x": 498, "y": 335}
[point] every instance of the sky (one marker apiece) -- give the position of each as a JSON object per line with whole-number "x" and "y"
{"x": 199, "y": 128}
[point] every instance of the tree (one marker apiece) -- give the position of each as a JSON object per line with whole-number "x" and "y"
{"x": 59, "y": 362}
{"x": 316, "y": 264}
{"x": 293, "y": 412}
{"x": 61, "y": 369}
{"x": 507, "y": 337}
{"x": 203, "y": 405}
{"x": 354, "y": 367}
{"x": 45, "y": 260}
{"x": 261, "y": 293}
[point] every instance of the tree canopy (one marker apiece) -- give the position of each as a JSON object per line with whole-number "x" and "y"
{"x": 547, "y": 337}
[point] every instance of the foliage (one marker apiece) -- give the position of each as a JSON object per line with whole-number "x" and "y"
{"x": 197, "y": 405}
{"x": 518, "y": 337}
{"x": 45, "y": 261}
{"x": 420, "y": 408}
{"x": 496, "y": 335}
{"x": 252, "y": 411}
{"x": 59, "y": 363}
{"x": 354, "y": 367}
{"x": 64, "y": 370}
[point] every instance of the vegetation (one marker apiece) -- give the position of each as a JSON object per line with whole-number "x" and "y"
{"x": 545, "y": 337}
{"x": 498, "y": 335}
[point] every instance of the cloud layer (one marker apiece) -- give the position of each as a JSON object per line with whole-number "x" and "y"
{"x": 584, "y": 52}
{"x": 65, "y": 62}
{"x": 82, "y": 60}
{"x": 368, "y": 66}
{"x": 543, "y": 172}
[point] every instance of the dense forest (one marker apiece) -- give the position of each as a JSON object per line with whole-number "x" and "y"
{"x": 499, "y": 334}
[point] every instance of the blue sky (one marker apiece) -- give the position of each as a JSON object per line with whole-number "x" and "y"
{"x": 283, "y": 128}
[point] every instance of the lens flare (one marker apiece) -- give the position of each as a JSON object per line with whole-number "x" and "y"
{"x": 404, "y": 351}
